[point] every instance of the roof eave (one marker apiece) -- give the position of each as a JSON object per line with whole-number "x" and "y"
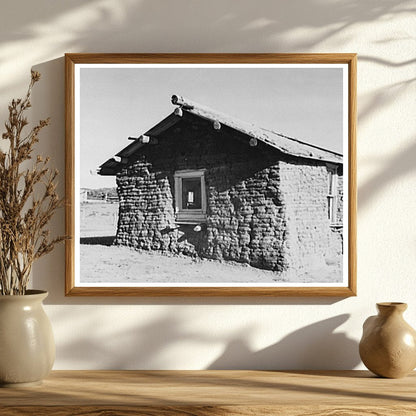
{"x": 109, "y": 168}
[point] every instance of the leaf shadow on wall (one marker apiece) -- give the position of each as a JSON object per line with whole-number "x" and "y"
{"x": 393, "y": 169}
{"x": 105, "y": 26}
{"x": 144, "y": 346}
{"x": 313, "y": 347}
{"x": 403, "y": 162}
{"x": 152, "y": 345}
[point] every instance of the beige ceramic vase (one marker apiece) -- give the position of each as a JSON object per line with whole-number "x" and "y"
{"x": 27, "y": 347}
{"x": 388, "y": 344}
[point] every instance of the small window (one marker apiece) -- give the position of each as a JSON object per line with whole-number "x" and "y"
{"x": 191, "y": 193}
{"x": 332, "y": 193}
{"x": 190, "y": 196}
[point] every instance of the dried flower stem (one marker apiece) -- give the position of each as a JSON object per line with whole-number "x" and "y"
{"x": 23, "y": 218}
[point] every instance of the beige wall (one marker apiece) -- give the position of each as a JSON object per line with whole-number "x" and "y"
{"x": 195, "y": 333}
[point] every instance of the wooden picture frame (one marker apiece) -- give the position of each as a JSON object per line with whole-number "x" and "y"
{"x": 225, "y": 219}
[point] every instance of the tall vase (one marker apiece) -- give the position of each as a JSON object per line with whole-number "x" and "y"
{"x": 388, "y": 345}
{"x": 27, "y": 347}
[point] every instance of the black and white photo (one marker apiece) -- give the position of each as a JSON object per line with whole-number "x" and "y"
{"x": 212, "y": 175}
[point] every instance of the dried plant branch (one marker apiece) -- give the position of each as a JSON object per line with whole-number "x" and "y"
{"x": 24, "y": 217}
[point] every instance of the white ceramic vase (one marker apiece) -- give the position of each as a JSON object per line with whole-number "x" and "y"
{"x": 27, "y": 347}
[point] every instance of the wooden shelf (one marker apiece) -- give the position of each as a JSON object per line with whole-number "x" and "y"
{"x": 203, "y": 393}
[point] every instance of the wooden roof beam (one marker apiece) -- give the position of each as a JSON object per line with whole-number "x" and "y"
{"x": 144, "y": 139}
{"x": 182, "y": 102}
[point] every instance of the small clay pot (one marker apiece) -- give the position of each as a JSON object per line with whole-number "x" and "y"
{"x": 388, "y": 345}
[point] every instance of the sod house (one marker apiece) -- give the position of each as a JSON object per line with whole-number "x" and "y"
{"x": 203, "y": 184}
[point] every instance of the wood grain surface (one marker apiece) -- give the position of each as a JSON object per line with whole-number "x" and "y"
{"x": 203, "y": 393}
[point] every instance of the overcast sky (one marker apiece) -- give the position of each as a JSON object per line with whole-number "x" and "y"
{"x": 116, "y": 103}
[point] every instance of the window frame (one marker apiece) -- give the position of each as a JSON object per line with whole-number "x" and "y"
{"x": 190, "y": 216}
{"x": 332, "y": 193}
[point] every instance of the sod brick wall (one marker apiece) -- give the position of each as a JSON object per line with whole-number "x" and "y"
{"x": 259, "y": 201}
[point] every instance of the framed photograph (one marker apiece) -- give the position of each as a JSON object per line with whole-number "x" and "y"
{"x": 211, "y": 174}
